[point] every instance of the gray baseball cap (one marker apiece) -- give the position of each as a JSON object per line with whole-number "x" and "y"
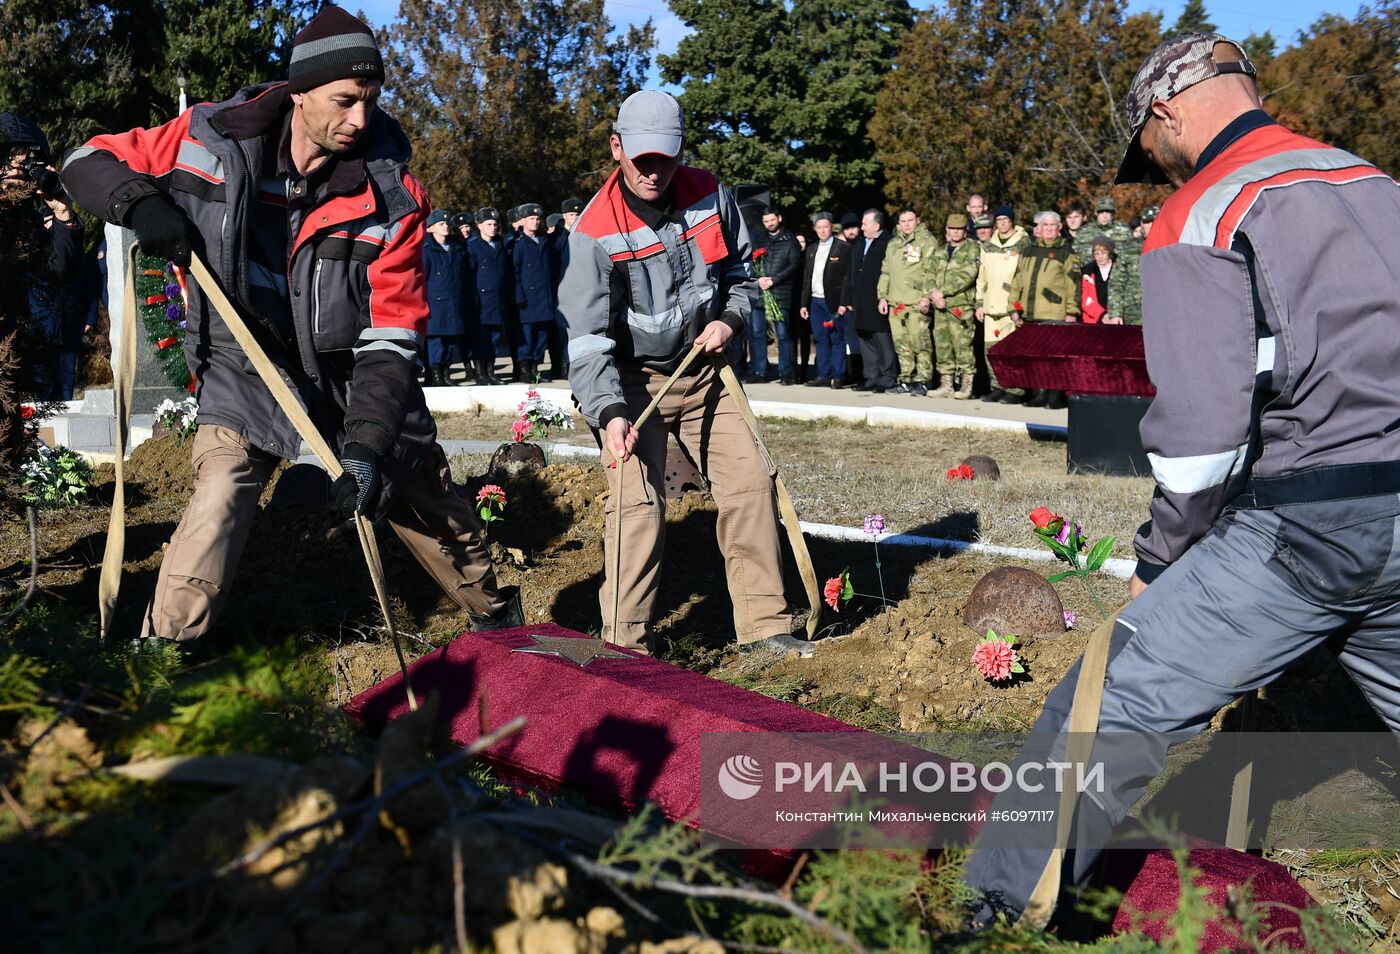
{"x": 1174, "y": 67}
{"x": 649, "y": 122}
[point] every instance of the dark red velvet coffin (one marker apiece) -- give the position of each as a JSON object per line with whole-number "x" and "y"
{"x": 1078, "y": 358}
{"x": 628, "y": 731}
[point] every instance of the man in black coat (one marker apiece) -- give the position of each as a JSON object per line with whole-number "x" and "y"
{"x": 782, "y": 270}
{"x": 862, "y": 298}
{"x": 819, "y": 297}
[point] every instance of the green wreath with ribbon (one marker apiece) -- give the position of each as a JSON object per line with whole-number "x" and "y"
{"x": 160, "y": 300}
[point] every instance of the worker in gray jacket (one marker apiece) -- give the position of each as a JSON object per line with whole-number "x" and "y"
{"x": 1272, "y": 439}
{"x": 660, "y": 261}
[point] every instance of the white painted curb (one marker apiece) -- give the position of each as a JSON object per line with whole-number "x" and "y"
{"x": 506, "y": 398}
{"x": 1122, "y": 569}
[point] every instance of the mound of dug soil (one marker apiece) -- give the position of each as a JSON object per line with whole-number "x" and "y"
{"x": 917, "y": 659}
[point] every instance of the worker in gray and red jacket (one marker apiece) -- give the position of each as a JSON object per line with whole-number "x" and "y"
{"x": 658, "y": 262}
{"x": 297, "y": 196}
{"x": 1271, "y": 301}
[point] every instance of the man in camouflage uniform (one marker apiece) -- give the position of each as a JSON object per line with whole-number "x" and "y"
{"x": 1046, "y": 286}
{"x": 903, "y": 290}
{"x": 953, "y": 294}
{"x": 1001, "y": 253}
{"x": 1104, "y": 224}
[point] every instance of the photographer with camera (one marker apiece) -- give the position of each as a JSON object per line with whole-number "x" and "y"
{"x": 55, "y": 301}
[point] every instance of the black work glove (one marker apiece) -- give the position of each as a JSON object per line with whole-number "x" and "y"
{"x": 356, "y": 492}
{"x": 162, "y": 229}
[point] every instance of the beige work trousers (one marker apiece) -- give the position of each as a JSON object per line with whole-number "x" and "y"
{"x": 709, "y": 426}
{"x": 440, "y": 529}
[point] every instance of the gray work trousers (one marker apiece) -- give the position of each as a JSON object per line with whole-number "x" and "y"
{"x": 1246, "y": 602}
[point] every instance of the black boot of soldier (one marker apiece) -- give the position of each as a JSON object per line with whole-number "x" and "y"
{"x": 508, "y": 617}
{"x": 445, "y": 376}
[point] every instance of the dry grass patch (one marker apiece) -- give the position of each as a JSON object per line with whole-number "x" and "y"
{"x": 839, "y": 472}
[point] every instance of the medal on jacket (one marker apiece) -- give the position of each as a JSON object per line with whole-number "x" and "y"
{"x": 912, "y": 254}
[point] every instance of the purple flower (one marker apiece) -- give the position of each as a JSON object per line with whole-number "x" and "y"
{"x": 182, "y": 326}
{"x": 172, "y": 290}
{"x": 874, "y": 524}
{"x": 1070, "y": 619}
{"x": 1063, "y": 536}
{"x": 174, "y": 312}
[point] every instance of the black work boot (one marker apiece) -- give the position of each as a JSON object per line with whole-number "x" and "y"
{"x": 507, "y": 617}
{"x": 445, "y": 376}
{"x": 434, "y": 377}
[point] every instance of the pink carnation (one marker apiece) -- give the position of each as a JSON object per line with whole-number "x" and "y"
{"x": 521, "y": 430}
{"x": 491, "y": 494}
{"x": 994, "y": 659}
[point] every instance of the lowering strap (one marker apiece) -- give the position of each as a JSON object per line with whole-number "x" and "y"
{"x": 1083, "y": 727}
{"x": 789, "y": 512}
{"x": 272, "y": 378}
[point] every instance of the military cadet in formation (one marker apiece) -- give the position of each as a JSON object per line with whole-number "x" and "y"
{"x": 444, "y": 269}
{"x": 536, "y": 271}
{"x": 463, "y": 223}
{"x": 953, "y": 295}
{"x": 1000, "y": 255}
{"x": 492, "y": 293}
{"x": 903, "y": 290}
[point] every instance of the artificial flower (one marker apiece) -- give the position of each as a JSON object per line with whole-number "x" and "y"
{"x": 493, "y": 494}
{"x": 875, "y": 523}
{"x": 961, "y": 472}
{"x": 1042, "y": 517}
{"x": 957, "y": 312}
{"x": 995, "y": 657}
{"x": 1070, "y": 619}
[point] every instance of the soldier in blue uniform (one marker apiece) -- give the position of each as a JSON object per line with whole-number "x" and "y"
{"x": 536, "y": 269}
{"x": 488, "y": 268}
{"x": 444, "y": 265}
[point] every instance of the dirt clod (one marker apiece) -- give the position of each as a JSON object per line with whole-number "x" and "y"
{"x": 1014, "y": 600}
{"x": 984, "y": 467}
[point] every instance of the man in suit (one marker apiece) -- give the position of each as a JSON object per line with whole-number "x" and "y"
{"x": 819, "y": 301}
{"x": 861, "y": 299}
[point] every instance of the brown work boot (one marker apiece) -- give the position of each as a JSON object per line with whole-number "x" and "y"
{"x": 945, "y": 386}
{"x": 964, "y": 392}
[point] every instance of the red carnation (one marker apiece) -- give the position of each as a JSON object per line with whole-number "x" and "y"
{"x": 1017, "y": 306}
{"x": 832, "y": 592}
{"x": 957, "y": 312}
{"x": 961, "y": 472}
{"x": 828, "y": 324}
{"x": 759, "y": 253}
{"x": 26, "y": 412}
{"x": 1042, "y": 517}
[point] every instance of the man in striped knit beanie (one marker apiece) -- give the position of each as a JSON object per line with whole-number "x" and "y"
{"x": 298, "y": 196}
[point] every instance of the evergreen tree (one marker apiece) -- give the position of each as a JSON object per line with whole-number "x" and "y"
{"x": 845, "y": 50}
{"x": 1260, "y": 47}
{"x": 740, "y": 82}
{"x": 784, "y": 97}
{"x": 81, "y": 68}
{"x": 1193, "y": 19}
{"x": 510, "y": 102}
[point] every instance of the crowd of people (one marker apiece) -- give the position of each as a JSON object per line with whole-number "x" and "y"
{"x": 904, "y": 321}
{"x": 899, "y": 311}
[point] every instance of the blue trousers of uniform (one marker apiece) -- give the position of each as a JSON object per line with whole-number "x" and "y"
{"x": 488, "y": 342}
{"x": 1242, "y": 605}
{"x": 830, "y": 342}
{"x": 534, "y": 341}
{"x": 444, "y": 350}
{"x": 758, "y": 343}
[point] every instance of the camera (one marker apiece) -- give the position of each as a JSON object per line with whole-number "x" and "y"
{"x": 37, "y": 171}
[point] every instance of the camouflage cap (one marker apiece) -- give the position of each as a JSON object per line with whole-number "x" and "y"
{"x": 1106, "y": 204}
{"x": 956, "y": 220}
{"x": 982, "y": 222}
{"x": 1175, "y": 66}
{"x": 1150, "y": 213}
